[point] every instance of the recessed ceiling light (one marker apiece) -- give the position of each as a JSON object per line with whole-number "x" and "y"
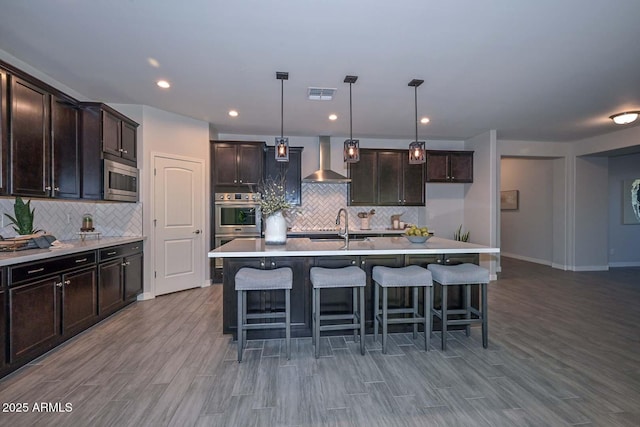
{"x": 625, "y": 118}
{"x": 233, "y": 113}
{"x": 163, "y": 84}
{"x": 153, "y": 62}
{"x": 333, "y": 117}
{"x": 424, "y": 120}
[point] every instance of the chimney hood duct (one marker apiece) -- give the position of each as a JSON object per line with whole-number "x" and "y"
{"x": 325, "y": 175}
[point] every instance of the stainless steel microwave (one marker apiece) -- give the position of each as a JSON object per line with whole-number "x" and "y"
{"x": 120, "y": 182}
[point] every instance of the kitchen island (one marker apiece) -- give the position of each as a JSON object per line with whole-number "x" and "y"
{"x": 300, "y": 254}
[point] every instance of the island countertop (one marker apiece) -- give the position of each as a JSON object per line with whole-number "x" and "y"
{"x": 256, "y": 247}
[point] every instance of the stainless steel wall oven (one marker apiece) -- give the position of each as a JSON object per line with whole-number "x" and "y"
{"x": 236, "y": 215}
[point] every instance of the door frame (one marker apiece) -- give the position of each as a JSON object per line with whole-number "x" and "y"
{"x": 152, "y": 202}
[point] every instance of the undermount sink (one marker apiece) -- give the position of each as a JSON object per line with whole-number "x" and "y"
{"x": 341, "y": 240}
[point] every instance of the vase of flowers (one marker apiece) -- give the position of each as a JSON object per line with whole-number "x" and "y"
{"x": 273, "y": 205}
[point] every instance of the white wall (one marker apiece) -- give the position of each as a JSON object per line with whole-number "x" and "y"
{"x": 624, "y": 239}
{"x": 480, "y": 202}
{"x": 591, "y": 213}
{"x": 527, "y": 233}
{"x": 167, "y": 133}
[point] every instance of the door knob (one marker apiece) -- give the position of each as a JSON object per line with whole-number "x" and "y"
{"x": 196, "y": 232}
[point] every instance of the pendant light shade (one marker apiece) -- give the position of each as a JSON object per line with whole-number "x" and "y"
{"x": 416, "y": 148}
{"x": 351, "y": 146}
{"x": 282, "y": 143}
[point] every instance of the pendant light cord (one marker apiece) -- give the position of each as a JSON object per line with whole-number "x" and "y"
{"x": 350, "y": 118}
{"x": 282, "y": 108}
{"x": 416, "y": 109}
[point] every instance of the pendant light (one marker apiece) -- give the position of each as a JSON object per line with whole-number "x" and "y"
{"x": 351, "y": 146}
{"x": 282, "y": 143}
{"x": 416, "y": 148}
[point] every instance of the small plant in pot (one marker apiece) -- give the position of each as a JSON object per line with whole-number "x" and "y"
{"x": 23, "y": 219}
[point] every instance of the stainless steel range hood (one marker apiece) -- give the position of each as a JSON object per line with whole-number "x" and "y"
{"x": 325, "y": 175}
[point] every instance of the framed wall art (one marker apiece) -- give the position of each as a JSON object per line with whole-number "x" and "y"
{"x": 509, "y": 200}
{"x": 631, "y": 201}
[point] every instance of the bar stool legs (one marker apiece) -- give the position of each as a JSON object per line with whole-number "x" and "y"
{"x": 251, "y": 279}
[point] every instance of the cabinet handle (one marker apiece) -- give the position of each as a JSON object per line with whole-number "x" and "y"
{"x": 240, "y": 181}
{"x": 262, "y": 264}
{"x": 447, "y": 260}
{"x": 48, "y": 188}
{"x": 56, "y": 188}
{"x": 120, "y": 150}
{"x": 112, "y": 253}
{"x": 439, "y": 261}
{"x": 195, "y": 232}
{"x": 37, "y": 270}
{"x": 362, "y": 262}
{"x": 124, "y": 264}
{"x": 273, "y": 264}
{"x": 59, "y": 284}
{"x": 125, "y": 151}
{"x": 353, "y": 262}
{"x": 136, "y": 247}
{"x": 67, "y": 282}
{"x": 81, "y": 260}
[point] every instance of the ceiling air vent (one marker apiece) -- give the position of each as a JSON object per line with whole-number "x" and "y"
{"x": 321, "y": 93}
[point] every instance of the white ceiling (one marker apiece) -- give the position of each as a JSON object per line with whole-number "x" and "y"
{"x": 534, "y": 70}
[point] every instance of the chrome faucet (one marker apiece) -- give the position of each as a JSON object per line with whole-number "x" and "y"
{"x": 344, "y": 234}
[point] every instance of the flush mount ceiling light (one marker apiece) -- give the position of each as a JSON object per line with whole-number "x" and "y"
{"x": 625, "y": 118}
{"x": 163, "y": 84}
{"x": 333, "y": 117}
{"x": 425, "y": 120}
{"x": 282, "y": 143}
{"x": 233, "y": 113}
{"x": 351, "y": 146}
{"x": 416, "y": 148}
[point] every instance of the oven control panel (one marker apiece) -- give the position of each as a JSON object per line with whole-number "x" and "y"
{"x": 237, "y": 197}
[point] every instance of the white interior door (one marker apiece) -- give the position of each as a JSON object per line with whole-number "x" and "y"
{"x": 178, "y": 224}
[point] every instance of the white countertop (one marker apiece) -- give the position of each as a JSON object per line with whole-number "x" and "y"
{"x": 254, "y": 247}
{"x": 71, "y": 247}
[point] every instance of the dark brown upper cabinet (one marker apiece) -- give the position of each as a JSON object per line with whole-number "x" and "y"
{"x": 4, "y": 135}
{"x": 291, "y": 171}
{"x": 237, "y": 163}
{"x": 65, "y": 148}
{"x": 110, "y": 132}
{"x": 30, "y": 139}
{"x": 385, "y": 178}
{"x": 449, "y": 166}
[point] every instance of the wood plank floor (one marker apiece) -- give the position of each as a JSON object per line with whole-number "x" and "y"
{"x": 564, "y": 349}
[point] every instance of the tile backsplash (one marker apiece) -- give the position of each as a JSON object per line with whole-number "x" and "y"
{"x": 64, "y": 218}
{"x": 321, "y": 202}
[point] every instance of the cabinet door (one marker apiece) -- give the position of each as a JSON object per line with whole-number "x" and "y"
{"x": 34, "y": 325}
{"x": 66, "y": 152}
{"x": 132, "y": 276}
{"x": 291, "y": 170}
{"x": 4, "y": 135}
{"x": 224, "y": 164}
{"x": 110, "y": 287}
{"x": 413, "y": 184}
{"x": 79, "y": 300}
{"x": 437, "y": 166}
{"x": 30, "y": 159}
{"x": 461, "y": 166}
{"x": 128, "y": 141}
{"x": 111, "y": 134}
{"x": 250, "y": 163}
{"x": 389, "y": 178}
{"x": 3, "y": 325}
{"x": 396, "y": 295}
{"x": 363, "y": 187}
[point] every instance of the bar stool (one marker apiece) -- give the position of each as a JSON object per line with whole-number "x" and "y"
{"x": 465, "y": 275}
{"x": 252, "y": 279}
{"x": 411, "y": 276}
{"x": 345, "y": 277}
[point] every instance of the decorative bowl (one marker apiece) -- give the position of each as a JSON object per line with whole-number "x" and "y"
{"x": 417, "y": 239}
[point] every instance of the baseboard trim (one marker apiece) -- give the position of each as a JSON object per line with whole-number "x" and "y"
{"x": 145, "y": 296}
{"x": 526, "y": 258}
{"x": 563, "y": 267}
{"x": 624, "y": 264}
{"x": 591, "y": 268}
{"x": 206, "y": 284}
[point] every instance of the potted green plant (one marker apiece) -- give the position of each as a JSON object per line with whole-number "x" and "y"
{"x": 23, "y": 219}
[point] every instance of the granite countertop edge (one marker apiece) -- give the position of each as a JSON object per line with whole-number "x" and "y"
{"x": 77, "y": 245}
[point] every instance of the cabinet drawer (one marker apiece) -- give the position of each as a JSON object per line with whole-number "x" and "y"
{"x": 34, "y": 270}
{"x": 120, "y": 251}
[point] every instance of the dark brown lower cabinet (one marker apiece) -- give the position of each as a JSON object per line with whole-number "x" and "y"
{"x": 3, "y": 326}
{"x": 132, "y": 276}
{"x": 35, "y": 318}
{"x": 79, "y": 300}
{"x": 111, "y": 292}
